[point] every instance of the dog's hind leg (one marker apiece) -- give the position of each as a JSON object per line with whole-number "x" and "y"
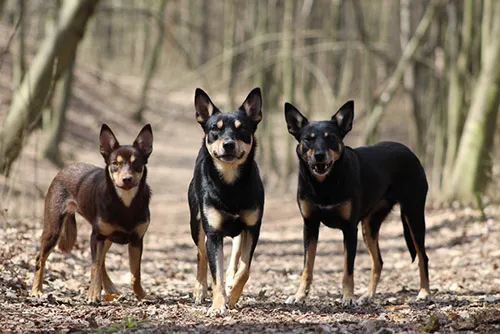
{"x": 371, "y": 226}
{"x": 414, "y": 219}
{"x": 233, "y": 262}
{"x": 249, "y": 240}
{"x": 107, "y": 284}
{"x": 56, "y": 213}
{"x": 135, "y": 255}
{"x": 215, "y": 255}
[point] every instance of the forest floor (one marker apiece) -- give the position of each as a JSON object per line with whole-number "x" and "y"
{"x": 463, "y": 248}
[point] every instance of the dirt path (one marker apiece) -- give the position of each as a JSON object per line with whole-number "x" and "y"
{"x": 465, "y": 281}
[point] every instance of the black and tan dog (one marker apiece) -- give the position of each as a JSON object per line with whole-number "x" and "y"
{"x": 341, "y": 186}
{"x": 226, "y": 197}
{"x": 114, "y": 199}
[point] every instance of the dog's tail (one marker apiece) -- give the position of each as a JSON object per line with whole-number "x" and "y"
{"x": 408, "y": 238}
{"x": 67, "y": 235}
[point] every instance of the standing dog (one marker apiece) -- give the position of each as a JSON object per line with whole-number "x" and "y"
{"x": 226, "y": 197}
{"x": 115, "y": 200}
{"x": 341, "y": 186}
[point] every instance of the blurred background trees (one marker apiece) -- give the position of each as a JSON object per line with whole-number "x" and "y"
{"x": 422, "y": 72}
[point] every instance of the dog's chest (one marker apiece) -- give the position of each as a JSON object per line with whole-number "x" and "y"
{"x": 328, "y": 213}
{"x": 230, "y": 224}
{"x": 122, "y": 235}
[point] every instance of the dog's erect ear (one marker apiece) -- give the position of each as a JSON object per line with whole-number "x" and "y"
{"x": 344, "y": 117}
{"x": 253, "y": 105}
{"x": 204, "y": 106}
{"x": 144, "y": 141}
{"x": 107, "y": 142}
{"x": 294, "y": 120}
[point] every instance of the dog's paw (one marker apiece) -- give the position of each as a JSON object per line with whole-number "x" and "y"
{"x": 36, "y": 292}
{"x": 423, "y": 294}
{"x": 364, "y": 299}
{"x": 139, "y": 292}
{"x": 217, "y": 311}
{"x": 199, "y": 293}
{"x": 94, "y": 295}
{"x": 293, "y": 300}
{"x": 348, "y": 301}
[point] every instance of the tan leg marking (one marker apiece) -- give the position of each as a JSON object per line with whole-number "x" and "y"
{"x": 219, "y": 299}
{"x": 135, "y": 253}
{"x": 201, "y": 286}
{"x": 94, "y": 293}
{"x": 424, "y": 281}
{"x": 376, "y": 268}
{"x": 107, "y": 283}
{"x": 250, "y": 217}
{"x": 214, "y": 217}
{"x": 37, "y": 288}
{"x": 305, "y": 208}
{"x": 233, "y": 262}
{"x": 307, "y": 274}
{"x": 347, "y": 285}
{"x": 243, "y": 272}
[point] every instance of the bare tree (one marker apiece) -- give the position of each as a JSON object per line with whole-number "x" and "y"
{"x": 50, "y": 62}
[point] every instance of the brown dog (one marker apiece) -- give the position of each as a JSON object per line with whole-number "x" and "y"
{"x": 114, "y": 199}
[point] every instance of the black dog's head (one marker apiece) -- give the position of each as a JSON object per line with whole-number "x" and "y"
{"x": 320, "y": 143}
{"x": 125, "y": 163}
{"x": 229, "y": 135}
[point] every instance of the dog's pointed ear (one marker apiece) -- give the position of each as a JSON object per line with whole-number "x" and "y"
{"x": 252, "y": 106}
{"x": 204, "y": 106}
{"x": 294, "y": 120}
{"x": 107, "y": 142}
{"x": 344, "y": 117}
{"x": 144, "y": 141}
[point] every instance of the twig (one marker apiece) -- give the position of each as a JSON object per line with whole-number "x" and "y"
{"x": 11, "y": 38}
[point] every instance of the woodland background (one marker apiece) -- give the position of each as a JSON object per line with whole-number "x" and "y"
{"x": 422, "y": 72}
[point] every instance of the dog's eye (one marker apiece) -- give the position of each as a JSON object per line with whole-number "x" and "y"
{"x": 214, "y": 129}
{"x": 114, "y": 164}
{"x": 309, "y": 138}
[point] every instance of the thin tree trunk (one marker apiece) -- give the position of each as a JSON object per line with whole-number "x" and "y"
{"x": 457, "y": 76}
{"x": 288, "y": 75}
{"x": 50, "y": 62}
{"x": 393, "y": 82}
{"x": 19, "y": 62}
{"x": 58, "y": 121}
{"x": 228, "y": 46}
{"x": 152, "y": 63}
{"x": 474, "y": 149}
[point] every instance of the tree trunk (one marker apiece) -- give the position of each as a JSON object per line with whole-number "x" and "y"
{"x": 58, "y": 121}
{"x": 50, "y": 62}
{"x": 19, "y": 62}
{"x": 288, "y": 75}
{"x": 457, "y": 76}
{"x": 153, "y": 61}
{"x": 228, "y": 46}
{"x": 393, "y": 82}
{"x": 469, "y": 176}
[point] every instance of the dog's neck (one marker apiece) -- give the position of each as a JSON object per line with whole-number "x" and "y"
{"x": 232, "y": 173}
{"x": 126, "y": 196}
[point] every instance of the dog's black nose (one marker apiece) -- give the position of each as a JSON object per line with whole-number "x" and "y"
{"x": 319, "y": 156}
{"x": 229, "y": 145}
{"x": 127, "y": 180}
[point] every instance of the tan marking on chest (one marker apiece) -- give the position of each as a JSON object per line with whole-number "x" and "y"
{"x": 214, "y": 217}
{"x": 106, "y": 228}
{"x": 305, "y": 208}
{"x": 250, "y": 217}
{"x": 345, "y": 210}
{"x": 141, "y": 229}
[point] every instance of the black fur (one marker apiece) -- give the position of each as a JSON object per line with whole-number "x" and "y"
{"x": 209, "y": 188}
{"x": 371, "y": 178}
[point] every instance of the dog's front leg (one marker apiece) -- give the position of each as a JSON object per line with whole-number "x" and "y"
{"x": 248, "y": 243}
{"x": 350, "y": 244}
{"x": 135, "y": 255}
{"x": 311, "y": 231}
{"x": 215, "y": 254}
{"x": 97, "y": 251}
{"x": 232, "y": 268}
